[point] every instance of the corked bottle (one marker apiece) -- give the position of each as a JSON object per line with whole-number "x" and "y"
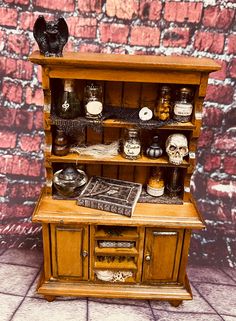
{"x": 60, "y": 143}
{"x": 163, "y": 107}
{"x": 131, "y": 144}
{"x": 69, "y": 104}
{"x": 183, "y": 108}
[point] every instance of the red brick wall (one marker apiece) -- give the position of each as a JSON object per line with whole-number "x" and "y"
{"x": 198, "y": 28}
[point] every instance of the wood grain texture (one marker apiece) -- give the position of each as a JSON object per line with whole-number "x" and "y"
{"x": 71, "y": 233}
{"x": 164, "y": 215}
{"x": 95, "y": 60}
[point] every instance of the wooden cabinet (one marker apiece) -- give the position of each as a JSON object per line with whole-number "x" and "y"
{"x": 162, "y": 254}
{"x": 89, "y": 252}
{"x": 69, "y": 248}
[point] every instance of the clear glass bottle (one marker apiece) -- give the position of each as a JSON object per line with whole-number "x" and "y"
{"x": 69, "y": 104}
{"x": 93, "y": 101}
{"x": 163, "y": 107}
{"x": 60, "y": 143}
{"x": 156, "y": 185}
{"x": 131, "y": 144}
{"x": 183, "y": 108}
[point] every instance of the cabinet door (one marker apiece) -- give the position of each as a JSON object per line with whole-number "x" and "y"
{"x": 69, "y": 251}
{"x": 162, "y": 254}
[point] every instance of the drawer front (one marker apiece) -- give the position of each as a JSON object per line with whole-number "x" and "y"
{"x": 69, "y": 251}
{"x": 162, "y": 255}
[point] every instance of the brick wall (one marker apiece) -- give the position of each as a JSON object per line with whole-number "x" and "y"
{"x": 197, "y": 28}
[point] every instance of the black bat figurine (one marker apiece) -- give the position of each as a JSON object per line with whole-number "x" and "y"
{"x": 51, "y": 36}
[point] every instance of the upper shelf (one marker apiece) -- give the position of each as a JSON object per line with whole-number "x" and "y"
{"x": 116, "y": 160}
{"x": 118, "y": 123}
{"x": 128, "y": 62}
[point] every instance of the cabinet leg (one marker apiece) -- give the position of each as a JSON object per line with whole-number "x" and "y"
{"x": 49, "y": 298}
{"x": 175, "y": 303}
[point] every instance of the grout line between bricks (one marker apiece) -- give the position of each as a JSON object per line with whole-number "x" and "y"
{"x": 213, "y": 283}
{"x": 87, "y": 311}
{"x": 228, "y": 275}
{"x": 202, "y": 296}
{"x": 11, "y": 318}
{"x": 153, "y": 315}
{"x": 17, "y": 264}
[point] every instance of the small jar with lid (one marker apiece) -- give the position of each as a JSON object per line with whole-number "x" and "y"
{"x": 156, "y": 185}
{"x": 93, "y": 101}
{"x": 183, "y": 107}
{"x": 69, "y": 104}
{"x": 131, "y": 144}
{"x": 163, "y": 107}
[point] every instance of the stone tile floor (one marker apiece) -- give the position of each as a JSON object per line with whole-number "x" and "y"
{"x": 214, "y": 291}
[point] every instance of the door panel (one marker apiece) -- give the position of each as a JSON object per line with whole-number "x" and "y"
{"x": 70, "y": 252}
{"x": 162, "y": 255}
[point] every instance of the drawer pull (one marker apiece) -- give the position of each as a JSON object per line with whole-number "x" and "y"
{"x": 156, "y": 233}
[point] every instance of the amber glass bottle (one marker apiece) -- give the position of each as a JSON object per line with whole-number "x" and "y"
{"x": 163, "y": 108}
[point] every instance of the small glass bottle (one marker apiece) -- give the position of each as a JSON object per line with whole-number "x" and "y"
{"x": 163, "y": 107}
{"x": 93, "y": 101}
{"x": 131, "y": 144}
{"x": 60, "y": 143}
{"x": 183, "y": 108}
{"x": 69, "y": 105}
{"x": 156, "y": 185}
{"x": 173, "y": 185}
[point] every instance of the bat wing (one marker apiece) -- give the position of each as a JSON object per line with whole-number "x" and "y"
{"x": 39, "y": 29}
{"x": 63, "y": 31}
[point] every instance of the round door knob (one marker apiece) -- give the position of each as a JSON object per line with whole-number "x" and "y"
{"x": 148, "y": 257}
{"x": 85, "y": 253}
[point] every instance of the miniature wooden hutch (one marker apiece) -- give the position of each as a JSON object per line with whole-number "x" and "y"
{"x": 158, "y": 234}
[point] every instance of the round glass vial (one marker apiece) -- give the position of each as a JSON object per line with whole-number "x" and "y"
{"x": 163, "y": 107}
{"x": 183, "y": 108}
{"x": 131, "y": 144}
{"x": 93, "y": 101}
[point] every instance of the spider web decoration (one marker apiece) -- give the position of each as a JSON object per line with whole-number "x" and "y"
{"x": 131, "y": 115}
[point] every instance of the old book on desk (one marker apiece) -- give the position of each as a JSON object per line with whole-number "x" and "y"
{"x": 111, "y": 195}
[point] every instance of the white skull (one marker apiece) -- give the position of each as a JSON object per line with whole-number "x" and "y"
{"x": 176, "y": 148}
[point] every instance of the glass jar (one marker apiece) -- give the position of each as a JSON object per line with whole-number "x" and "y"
{"x": 131, "y": 144}
{"x": 69, "y": 181}
{"x": 183, "y": 108}
{"x": 69, "y": 104}
{"x": 60, "y": 143}
{"x": 163, "y": 107}
{"x": 93, "y": 101}
{"x": 155, "y": 185}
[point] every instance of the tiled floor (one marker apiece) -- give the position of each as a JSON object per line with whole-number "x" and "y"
{"x": 214, "y": 291}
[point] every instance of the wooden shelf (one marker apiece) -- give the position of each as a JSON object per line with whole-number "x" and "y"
{"x": 186, "y": 215}
{"x": 115, "y": 265}
{"x": 99, "y": 60}
{"x": 123, "y": 123}
{"x": 127, "y": 235}
{"x": 115, "y": 251}
{"x": 116, "y": 160}
{"x": 119, "y": 123}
